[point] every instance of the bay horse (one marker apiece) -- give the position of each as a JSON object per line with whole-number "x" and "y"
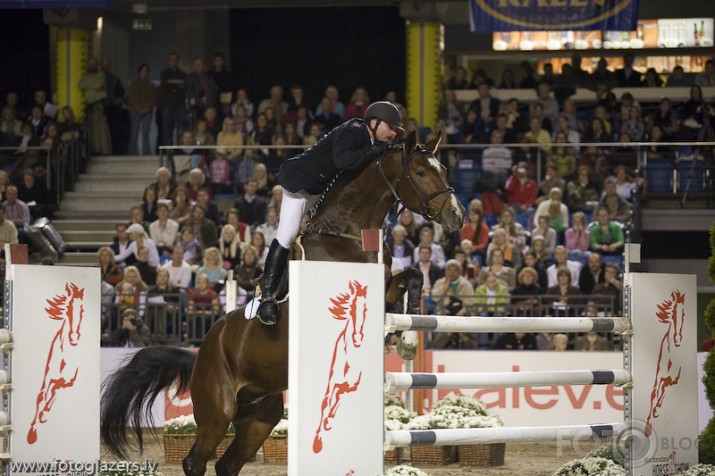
{"x": 241, "y": 369}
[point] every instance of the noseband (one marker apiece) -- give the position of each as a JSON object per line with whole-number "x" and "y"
{"x": 426, "y": 210}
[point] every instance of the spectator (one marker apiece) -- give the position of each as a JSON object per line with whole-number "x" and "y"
{"x": 458, "y": 80}
{"x": 597, "y": 131}
{"x": 94, "y": 86}
{"x": 609, "y": 291}
{"x": 147, "y": 271}
{"x": 427, "y": 239}
{"x": 10, "y": 127}
{"x": 625, "y": 185}
{"x": 430, "y": 271}
{"x": 196, "y": 182}
{"x": 532, "y": 261}
{"x": 514, "y": 230}
{"x": 496, "y": 158}
{"x": 492, "y": 296}
{"x": 582, "y": 192}
{"x": 407, "y": 219}
{"x": 335, "y": 106}
{"x": 251, "y": 206}
{"x": 678, "y": 79}
{"x": 229, "y": 247}
{"x": 180, "y": 211}
{"x": 563, "y": 156}
{"x": 258, "y": 241}
{"x": 213, "y": 267}
{"x": 474, "y": 130}
{"x": 525, "y": 296}
{"x": 8, "y": 232}
{"x": 17, "y": 212}
{"x": 149, "y": 204}
{"x": 691, "y": 111}
{"x": 561, "y": 261}
{"x": 224, "y": 81}
{"x": 547, "y": 234}
{"x": 210, "y": 208}
{"x": 32, "y": 190}
{"x": 516, "y": 341}
{"x": 618, "y": 209}
{"x": 204, "y": 230}
{"x": 602, "y": 75}
{"x": 141, "y": 98}
{"x": 163, "y": 231}
{"x": 607, "y": 237}
{"x": 203, "y": 301}
{"x": 551, "y": 179}
{"x": 170, "y": 295}
{"x": 564, "y": 293}
{"x": 652, "y": 79}
{"x": 592, "y": 341}
{"x": 468, "y": 270}
{"x": 555, "y": 210}
{"x": 564, "y": 125}
{"x": 136, "y": 214}
{"x": 133, "y": 278}
{"x": 193, "y": 251}
{"x": 133, "y": 333}
{"x": 121, "y": 242}
{"x": 507, "y": 80}
{"x": 242, "y": 122}
{"x": 274, "y": 101}
{"x": 627, "y": 76}
{"x": 505, "y": 274}
{"x": 485, "y": 106}
{"x": 565, "y": 84}
{"x": 202, "y": 134}
{"x": 592, "y": 275}
{"x": 325, "y": 116}
{"x": 164, "y": 186}
{"x": 248, "y": 272}
{"x": 451, "y": 113}
{"x": 480, "y": 77}
{"x": 401, "y": 249}
{"x": 475, "y": 229}
{"x": 358, "y": 104}
{"x": 178, "y": 269}
{"x": 201, "y": 89}
{"x": 501, "y": 124}
{"x": 633, "y": 124}
{"x": 536, "y": 135}
{"x": 527, "y": 76}
{"x": 665, "y": 118}
{"x": 116, "y": 119}
{"x": 139, "y": 239}
{"x": 549, "y": 104}
{"x": 501, "y": 241}
{"x": 111, "y": 274}
{"x": 560, "y": 342}
{"x": 243, "y": 230}
{"x": 578, "y": 237}
{"x": 453, "y": 293}
{"x": 264, "y": 182}
{"x": 521, "y": 190}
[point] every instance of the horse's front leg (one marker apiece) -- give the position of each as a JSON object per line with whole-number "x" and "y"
{"x": 409, "y": 281}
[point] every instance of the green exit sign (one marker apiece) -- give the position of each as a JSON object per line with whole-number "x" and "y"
{"x": 141, "y": 24}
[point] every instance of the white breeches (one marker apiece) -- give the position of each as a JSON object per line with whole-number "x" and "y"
{"x": 293, "y": 207}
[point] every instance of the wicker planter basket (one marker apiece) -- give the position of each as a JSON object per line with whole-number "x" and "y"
{"x": 223, "y": 446}
{"x": 176, "y": 447}
{"x": 481, "y": 455}
{"x": 433, "y": 455}
{"x": 275, "y": 449}
{"x": 393, "y": 457}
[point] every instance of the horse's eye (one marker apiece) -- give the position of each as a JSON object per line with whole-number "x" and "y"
{"x": 422, "y": 174}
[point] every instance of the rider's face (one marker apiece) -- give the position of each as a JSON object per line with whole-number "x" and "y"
{"x": 385, "y": 132}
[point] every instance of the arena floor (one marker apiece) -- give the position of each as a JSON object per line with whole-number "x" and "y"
{"x": 534, "y": 459}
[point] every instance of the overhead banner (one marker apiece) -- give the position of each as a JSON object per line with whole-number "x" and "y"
{"x": 550, "y": 15}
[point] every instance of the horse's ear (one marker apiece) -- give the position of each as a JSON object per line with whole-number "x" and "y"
{"x": 434, "y": 143}
{"x": 410, "y": 142}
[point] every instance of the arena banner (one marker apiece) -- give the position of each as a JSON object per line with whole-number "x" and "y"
{"x": 55, "y": 367}
{"x": 664, "y": 422}
{"x": 336, "y": 372}
{"x": 552, "y": 15}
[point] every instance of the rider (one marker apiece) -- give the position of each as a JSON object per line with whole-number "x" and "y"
{"x": 350, "y": 146}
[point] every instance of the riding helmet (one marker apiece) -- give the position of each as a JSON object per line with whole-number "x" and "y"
{"x": 385, "y": 111}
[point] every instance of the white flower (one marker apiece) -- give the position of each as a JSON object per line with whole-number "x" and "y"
{"x": 700, "y": 470}
{"x": 281, "y": 428}
{"x": 591, "y": 467}
{"x": 462, "y": 401}
{"x": 394, "y": 412}
{"x": 404, "y": 470}
{"x": 393, "y": 399}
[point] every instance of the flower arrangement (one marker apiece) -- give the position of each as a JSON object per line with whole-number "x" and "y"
{"x": 281, "y": 429}
{"x": 609, "y": 451}
{"x": 404, "y": 470}
{"x": 392, "y": 399}
{"x": 591, "y": 467}
{"x": 186, "y": 425}
{"x": 456, "y": 411}
{"x": 700, "y": 470}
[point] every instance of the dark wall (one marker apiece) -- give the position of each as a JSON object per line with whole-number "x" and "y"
{"x": 24, "y": 52}
{"x": 315, "y": 47}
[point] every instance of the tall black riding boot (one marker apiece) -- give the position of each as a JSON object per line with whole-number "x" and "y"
{"x": 275, "y": 264}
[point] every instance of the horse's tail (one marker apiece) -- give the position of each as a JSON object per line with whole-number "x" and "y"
{"x": 130, "y": 392}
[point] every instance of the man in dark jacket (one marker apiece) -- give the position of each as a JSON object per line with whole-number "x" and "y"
{"x": 350, "y": 146}
{"x": 173, "y": 100}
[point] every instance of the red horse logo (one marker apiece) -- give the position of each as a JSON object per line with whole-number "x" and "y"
{"x": 351, "y": 308}
{"x": 671, "y": 312}
{"x": 59, "y": 373}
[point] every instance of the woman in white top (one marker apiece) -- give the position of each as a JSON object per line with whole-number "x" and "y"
{"x": 139, "y": 239}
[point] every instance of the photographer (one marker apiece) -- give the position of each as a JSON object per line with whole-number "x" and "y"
{"x": 133, "y": 333}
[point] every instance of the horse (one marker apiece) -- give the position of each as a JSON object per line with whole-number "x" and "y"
{"x": 60, "y": 369}
{"x": 241, "y": 369}
{"x": 342, "y": 379}
{"x": 672, "y": 313}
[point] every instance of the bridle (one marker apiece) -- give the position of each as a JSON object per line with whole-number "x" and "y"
{"x": 426, "y": 210}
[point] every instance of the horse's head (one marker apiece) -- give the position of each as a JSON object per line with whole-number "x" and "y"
{"x": 75, "y": 311}
{"x": 672, "y": 312}
{"x": 358, "y": 311}
{"x": 422, "y": 185}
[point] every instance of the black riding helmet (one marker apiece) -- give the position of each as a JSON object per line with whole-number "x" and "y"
{"x": 384, "y": 111}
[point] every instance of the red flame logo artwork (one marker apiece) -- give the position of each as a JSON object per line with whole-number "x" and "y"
{"x": 351, "y": 308}
{"x": 60, "y": 372}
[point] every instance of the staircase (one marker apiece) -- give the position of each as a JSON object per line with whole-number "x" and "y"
{"x": 102, "y": 197}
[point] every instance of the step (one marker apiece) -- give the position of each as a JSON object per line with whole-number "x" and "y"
{"x": 115, "y": 216}
{"x": 128, "y": 168}
{"x": 104, "y": 236}
{"x": 97, "y": 204}
{"x": 86, "y": 258}
{"x": 135, "y": 187}
{"x": 64, "y": 226}
{"x": 85, "y": 246}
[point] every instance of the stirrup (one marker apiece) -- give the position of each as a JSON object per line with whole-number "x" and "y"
{"x": 268, "y": 320}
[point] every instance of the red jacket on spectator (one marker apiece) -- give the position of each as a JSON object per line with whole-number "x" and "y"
{"x": 480, "y": 244}
{"x": 518, "y": 194}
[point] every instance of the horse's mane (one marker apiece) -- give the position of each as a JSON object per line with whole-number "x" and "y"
{"x": 332, "y": 190}
{"x": 666, "y": 306}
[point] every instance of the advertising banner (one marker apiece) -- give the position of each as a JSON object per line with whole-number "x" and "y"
{"x": 336, "y": 372}
{"x": 664, "y": 426}
{"x": 552, "y": 15}
{"x": 55, "y": 365}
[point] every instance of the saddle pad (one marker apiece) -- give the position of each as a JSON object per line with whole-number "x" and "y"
{"x": 251, "y": 309}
